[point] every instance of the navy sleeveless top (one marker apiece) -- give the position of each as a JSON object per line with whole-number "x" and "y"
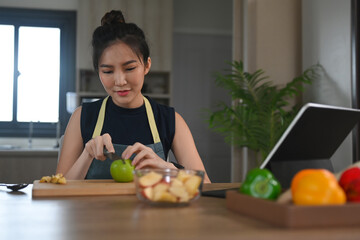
{"x": 128, "y": 126}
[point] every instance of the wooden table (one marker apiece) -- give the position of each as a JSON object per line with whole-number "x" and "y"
{"x": 124, "y": 217}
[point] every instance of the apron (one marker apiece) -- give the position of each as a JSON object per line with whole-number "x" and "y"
{"x": 101, "y": 169}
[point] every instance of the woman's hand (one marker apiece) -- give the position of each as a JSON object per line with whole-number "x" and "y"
{"x": 95, "y": 146}
{"x": 145, "y": 157}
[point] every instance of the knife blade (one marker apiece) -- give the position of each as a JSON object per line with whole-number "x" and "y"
{"x": 112, "y": 156}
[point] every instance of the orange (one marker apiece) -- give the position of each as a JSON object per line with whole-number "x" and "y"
{"x": 298, "y": 176}
{"x": 316, "y": 187}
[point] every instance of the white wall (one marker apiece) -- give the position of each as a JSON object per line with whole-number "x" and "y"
{"x": 326, "y": 39}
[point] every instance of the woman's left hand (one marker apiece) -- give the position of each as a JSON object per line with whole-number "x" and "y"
{"x": 145, "y": 157}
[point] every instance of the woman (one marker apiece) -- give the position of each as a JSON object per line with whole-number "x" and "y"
{"x": 125, "y": 122}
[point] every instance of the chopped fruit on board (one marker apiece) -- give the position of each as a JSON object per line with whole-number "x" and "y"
{"x": 58, "y": 178}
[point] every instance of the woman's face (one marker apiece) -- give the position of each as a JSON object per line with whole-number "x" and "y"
{"x": 122, "y": 74}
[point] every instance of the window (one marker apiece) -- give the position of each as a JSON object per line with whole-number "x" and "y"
{"x": 37, "y": 68}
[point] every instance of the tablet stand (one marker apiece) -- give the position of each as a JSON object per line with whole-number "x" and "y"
{"x": 284, "y": 171}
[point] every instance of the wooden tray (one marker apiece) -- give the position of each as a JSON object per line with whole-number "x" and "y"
{"x": 291, "y": 216}
{"x": 82, "y": 188}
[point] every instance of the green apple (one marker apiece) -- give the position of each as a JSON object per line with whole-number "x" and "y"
{"x": 122, "y": 170}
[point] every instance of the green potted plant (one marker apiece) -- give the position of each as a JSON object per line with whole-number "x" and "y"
{"x": 260, "y": 111}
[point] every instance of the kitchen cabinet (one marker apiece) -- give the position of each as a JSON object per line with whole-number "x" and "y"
{"x": 27, "y": 165}
{"x": 157, "y": 85}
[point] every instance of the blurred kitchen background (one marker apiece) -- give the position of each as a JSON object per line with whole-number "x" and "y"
{"x": 189, "y": 41}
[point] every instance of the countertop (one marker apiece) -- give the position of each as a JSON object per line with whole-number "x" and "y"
{"x": 125, "y": 217}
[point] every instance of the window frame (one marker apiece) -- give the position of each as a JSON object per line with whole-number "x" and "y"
{"x": 66, "y": 21}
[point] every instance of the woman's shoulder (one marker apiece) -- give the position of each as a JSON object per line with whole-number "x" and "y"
{"x": 89, "y": 114}
{"x": 165, "y": 121}
{"x": 92, "y": 107}
{"x": 90, "y": 111}
{"x": 93, "y": 104}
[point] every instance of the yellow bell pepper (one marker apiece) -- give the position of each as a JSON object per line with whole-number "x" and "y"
{"x": 316, "y": 187}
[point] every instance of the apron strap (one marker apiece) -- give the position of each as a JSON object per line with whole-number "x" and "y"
{"x": 151, "y": 120}
{"x": 149, "y": 112}
{"x": 100, "y": 120}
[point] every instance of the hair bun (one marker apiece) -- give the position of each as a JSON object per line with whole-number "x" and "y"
{"x": 112, "y": 17}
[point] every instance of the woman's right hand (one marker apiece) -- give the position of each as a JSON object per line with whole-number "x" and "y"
{"x": 95, "y": 146}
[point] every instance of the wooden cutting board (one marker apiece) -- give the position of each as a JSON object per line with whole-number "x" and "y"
{"x": 82, "y": 188}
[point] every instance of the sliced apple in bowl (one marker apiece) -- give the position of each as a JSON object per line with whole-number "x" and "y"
{"x": 168, "y": 185}
{"x": 150, "y": 179}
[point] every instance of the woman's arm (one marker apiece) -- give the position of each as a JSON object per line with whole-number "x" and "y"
{"x": 184, "y": 147}
{"x": 75, "y": 160}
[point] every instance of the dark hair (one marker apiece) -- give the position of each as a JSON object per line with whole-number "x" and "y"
{"x": 114, "y": 28}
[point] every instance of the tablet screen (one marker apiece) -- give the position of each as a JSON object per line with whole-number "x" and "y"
{"x": 310, "y": 140}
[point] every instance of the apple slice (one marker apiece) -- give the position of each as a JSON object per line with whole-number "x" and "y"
{"x": 55, "y": 178}
{"x": 150, "y": 179}
{"x": 165, "y": 197}
{"x": 159, "y": 189}
{"x": 183, "y": 176}
{"x": 45, "y": 179}
{"x": 192, "y": 185}
{"x": 62, "y": 180}
{"x": 148, "y": 193}
{"x": 180, "y": 192}
{"x": 176, "y": 182}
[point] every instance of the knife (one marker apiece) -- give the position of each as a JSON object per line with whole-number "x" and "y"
{"x": 112, "y": 156}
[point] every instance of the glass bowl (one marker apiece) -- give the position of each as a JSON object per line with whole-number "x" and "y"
{"x": 168, "y": 186}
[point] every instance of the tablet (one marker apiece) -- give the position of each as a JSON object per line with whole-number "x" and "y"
{"x": 311, "y": 139}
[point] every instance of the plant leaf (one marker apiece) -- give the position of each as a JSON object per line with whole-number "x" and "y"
{"x": 260, "y": 111}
